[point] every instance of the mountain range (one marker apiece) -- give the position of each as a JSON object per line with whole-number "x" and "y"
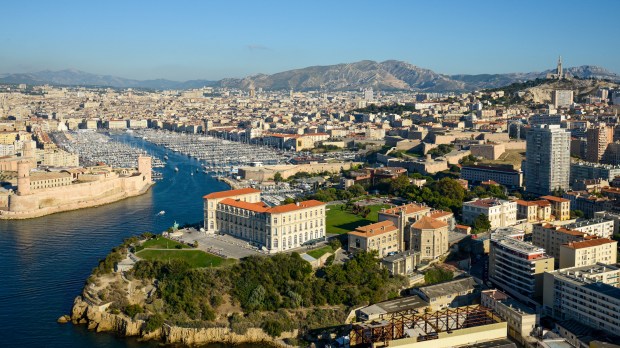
{"x": 387, "y": 75}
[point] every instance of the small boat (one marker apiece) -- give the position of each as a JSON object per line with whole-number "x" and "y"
{"x": 166, "y": 157}
{"x": 176, "y": 169}
{"x": 161, "y": 213}
{"x": 197, "y": 170}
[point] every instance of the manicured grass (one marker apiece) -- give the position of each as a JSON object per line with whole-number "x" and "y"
{"x": 320, "y": 252}
{"x": 162, "y": 243}
{"x": 196, "y": 258}
{"x": 340, "y": 221}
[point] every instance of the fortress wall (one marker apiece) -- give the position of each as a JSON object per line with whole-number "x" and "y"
{"x": 76, "y": 196}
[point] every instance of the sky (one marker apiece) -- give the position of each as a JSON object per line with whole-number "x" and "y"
{"x": 185, "y": 40}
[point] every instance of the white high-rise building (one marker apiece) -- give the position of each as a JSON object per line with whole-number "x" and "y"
{"x": 547, "y": 164}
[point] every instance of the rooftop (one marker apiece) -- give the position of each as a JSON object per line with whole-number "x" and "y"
{"x": 590, "y": 243}
{"x": 407, "y": 209}
{"x": 230, "y": 193}
{"x": 449, "y": 287}
{"x": 374, "y": 229}
{"x": 428, "y": 223}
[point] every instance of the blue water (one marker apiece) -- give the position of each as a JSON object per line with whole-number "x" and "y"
{"x": 44, "y": 261}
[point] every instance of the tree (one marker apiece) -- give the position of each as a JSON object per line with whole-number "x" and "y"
{"x": 399, "y": 184}
{"x": 574, "y": 214}
{"x": 481, "y": 224}
{"x": 356, "y": 190}
{"x": 277, "y": 177}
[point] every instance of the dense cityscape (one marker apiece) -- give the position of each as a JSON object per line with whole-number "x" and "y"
{"x": 326, "y": 174}
{"x": 447, "y": 218}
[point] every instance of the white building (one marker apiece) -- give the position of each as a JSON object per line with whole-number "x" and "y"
{"x": 501, "y": 213}
{"x": 587, "y": 294}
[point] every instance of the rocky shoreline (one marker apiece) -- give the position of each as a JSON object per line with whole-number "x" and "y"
{"x": 98, "y": 319}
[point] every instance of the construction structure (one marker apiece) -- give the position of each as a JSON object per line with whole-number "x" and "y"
{"x": 447, "y": 327}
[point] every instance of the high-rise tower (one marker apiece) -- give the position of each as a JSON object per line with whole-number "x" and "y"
{"x": 560, "y": 73}
{"x": 547, "y": 163}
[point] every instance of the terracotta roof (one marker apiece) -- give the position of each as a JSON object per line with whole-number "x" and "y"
{"x": 428, "y": 223}
{"x": 440, "y": 213}
{"x": 230, "y": 193}
{"x": 589, "y": 243}
{"x": 555, "y": 199}
{"x": 295, "y": 206}
{"x": 408, "y": 209}
{"x": 374, "y": 229}
{"x": 256, "y": 207}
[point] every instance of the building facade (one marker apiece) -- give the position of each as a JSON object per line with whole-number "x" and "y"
{"x": 517, "y": 267}
{"x": 547, "y": 159}
{"x": 587, "y": 294}
{"x": 588, "y": 252}
{"x": 429, "y": 237}
{"x": 381, "y": 236}
{"x": 501, "y": 213}
{"x": 511, "y": 178}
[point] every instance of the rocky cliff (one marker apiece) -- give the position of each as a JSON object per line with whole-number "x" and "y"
{"x": 99, "y": 319}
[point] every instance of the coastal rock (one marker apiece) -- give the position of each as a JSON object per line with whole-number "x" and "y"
{"x": 64, "y": 319}
{"x": 97, "y": 318}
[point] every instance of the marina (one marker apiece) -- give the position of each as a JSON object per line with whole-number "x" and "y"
{"x": 218, "y": 156}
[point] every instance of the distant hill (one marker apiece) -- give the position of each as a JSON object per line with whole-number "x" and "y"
{"x": 387, "y": 75}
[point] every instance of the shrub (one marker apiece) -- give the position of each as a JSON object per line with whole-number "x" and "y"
{"x": 133, "y": 309}
{"x": 154, "y": 322}
{"x": 273, "y": 328}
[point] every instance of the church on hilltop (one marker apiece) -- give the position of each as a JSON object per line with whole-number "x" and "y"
{"x": 559, "y": 73}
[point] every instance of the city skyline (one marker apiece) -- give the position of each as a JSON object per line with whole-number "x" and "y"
{"x": 219, "y": 40}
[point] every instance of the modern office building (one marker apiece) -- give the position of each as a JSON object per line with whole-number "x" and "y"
{"x": 501, "y": 213}
{"x": 517, "y": 267}
{"x": 587, "y": 294}
{"x": 547, "y": 159}
{"x": 600, "y": 227}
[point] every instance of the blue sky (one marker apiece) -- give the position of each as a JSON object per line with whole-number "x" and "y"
{"x": 183, "y": 40}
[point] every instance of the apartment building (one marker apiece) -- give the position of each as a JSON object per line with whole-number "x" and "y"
{"x": 560, "y": 207}
{"x": 534, "y": 211}
{"x": 501, "y": 213}
{"x": 517, "y": 267}
{"x": 551, "y": 237}
{"x": 521, "y": 319}
{"x": 588, "y": 252}
{"x": 599, "y": 227}
{"x": 587, "y": 294}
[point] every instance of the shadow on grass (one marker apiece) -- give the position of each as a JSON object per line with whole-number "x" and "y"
{"x": 355, "y": 224}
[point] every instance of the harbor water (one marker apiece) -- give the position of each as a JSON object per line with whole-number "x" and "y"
{"x": 45, "y": 261}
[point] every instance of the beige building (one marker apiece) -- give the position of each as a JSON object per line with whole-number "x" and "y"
{"x": 489, "y": 151}
{"x": 273, "y": 229}
{"x": 551, "y": 237}
{"x": 381, "y": 236}
{"x": 429, "y": 237}
{"x": 211, "y": 201}
{"x": 534, "y": 211}
{"x": 520, "y": 318}
{"x": 587, "y": 294}
{"x": 588, "y": 252}
{"x": 501, "y": 213}
{"x": 60, "y": 158}
{"x": 43, "y": 180}
{"x": 560, "y": 207}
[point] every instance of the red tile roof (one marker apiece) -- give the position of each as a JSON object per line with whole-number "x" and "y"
{"x": 230, "y": 193}
{"x": 590, "y": 243}
{"x": 427, "y": 223}
{"x": 374, "y": 229}
{"x": 295, "y": 206}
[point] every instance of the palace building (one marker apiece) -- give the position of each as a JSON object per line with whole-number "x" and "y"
{"x": 240, "y": 213}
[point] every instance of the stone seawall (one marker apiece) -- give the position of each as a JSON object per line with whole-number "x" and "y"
{"x": 114, "y": 194}
{"x": 99, "y": 320}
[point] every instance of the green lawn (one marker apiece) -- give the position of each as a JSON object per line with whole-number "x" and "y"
{"x": 196, "y": 258}
{"x": 162, "y": 243}
{"x": 320, "y": 252}
{"x": 340, "y": 221}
